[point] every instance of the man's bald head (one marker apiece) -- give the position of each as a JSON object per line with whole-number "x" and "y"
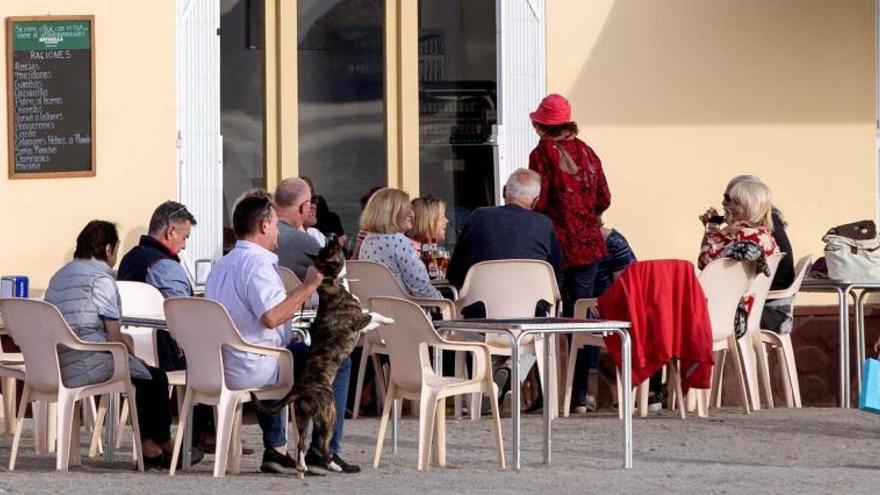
{"x": 292, "y": 192}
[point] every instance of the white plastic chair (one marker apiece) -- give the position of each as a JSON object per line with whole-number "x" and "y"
{"x": 412, "y": 376}
{"x": 368, "y": 279}
{"x": 140, "y": 299}
{"x": 11, "y": 365}
{"x": 289, "y": 279}
{"x": 781, "y": 343}
{"x": 751, "y": 355}
{"x": 512, "y": 289}
{"x": 724, "y": 282}
{"x": 37, "y": 328}
{"x": 203, "y": 328}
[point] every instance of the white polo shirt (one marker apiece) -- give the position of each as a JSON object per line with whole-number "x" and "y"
{"x": 247, "y": 283}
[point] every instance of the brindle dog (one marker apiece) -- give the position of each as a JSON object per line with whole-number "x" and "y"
{"x": 334, "y": 333}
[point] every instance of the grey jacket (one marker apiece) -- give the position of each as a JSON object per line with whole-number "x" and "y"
{"x": 72, "y": 291}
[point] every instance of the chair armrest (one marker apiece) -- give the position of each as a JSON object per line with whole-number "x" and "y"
{"x": 481, "y": 352}
{"x": 285, "y": 367}
{"x": 447, "y": 308}
{"x": 780, "y": 294}
{"x": 258, "y": 348}
{"x": 117, "y": 351}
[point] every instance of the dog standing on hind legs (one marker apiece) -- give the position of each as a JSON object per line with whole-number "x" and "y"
{"x": 334, "y": 332}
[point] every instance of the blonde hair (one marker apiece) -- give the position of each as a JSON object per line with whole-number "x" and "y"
{"x": 755, "y": 199}
{"x": 383, "y": 209}
{"x": 428, "y": 212}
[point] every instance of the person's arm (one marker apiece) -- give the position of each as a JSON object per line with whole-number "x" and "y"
{"x": 169, "y": 277}
{"x": 556, "y": 258}
{"x": 603, "y": 193}
{"x": 413, "y": 272}
{"x": 287, "y": 308}
{"x": 785, "y": 272}
{"x": 106, "y": 299}
{"x": 536, "y": 163}
{"x": 460, "y": 261}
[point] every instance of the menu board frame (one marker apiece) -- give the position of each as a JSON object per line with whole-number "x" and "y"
{"x": 10, "y": 95}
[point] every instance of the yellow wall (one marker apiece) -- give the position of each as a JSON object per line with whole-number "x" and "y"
{"x": 135, "y": 139}
{"x": 677, "y": 96}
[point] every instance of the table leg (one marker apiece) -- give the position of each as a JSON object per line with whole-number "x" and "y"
{"x": 110, "y": 428}
{"x": 395, "y": 418}
{"x": 626, "y": 347}
{"x": 860, "y": 336}
{"x": 843, "y": 328}
{"x": 548, "y": 404}
{"x": 514, "y": 399}
{"x": 186, "y": 455}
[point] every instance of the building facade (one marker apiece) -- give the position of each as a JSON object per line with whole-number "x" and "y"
{"x": 199, "y": 100}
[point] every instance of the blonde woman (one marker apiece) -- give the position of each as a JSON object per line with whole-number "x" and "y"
{"x": 747, "y": 213}
{"x": 429, "y": 223}
{"x": 387, "y": 216}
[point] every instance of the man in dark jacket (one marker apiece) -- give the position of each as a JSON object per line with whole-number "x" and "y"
{"x": 512, "y": 231}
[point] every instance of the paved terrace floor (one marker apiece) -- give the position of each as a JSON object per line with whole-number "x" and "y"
{"x": 783, "y": 451}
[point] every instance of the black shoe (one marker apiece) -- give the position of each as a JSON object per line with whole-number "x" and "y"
{"x": 276, "y": 462}
{"x": 336, "y": 465}
{"x": 163, "y": 460}
{"x": 656, "y": 400}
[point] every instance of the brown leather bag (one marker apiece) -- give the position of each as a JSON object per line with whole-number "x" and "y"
{"x": 860, "y": 231}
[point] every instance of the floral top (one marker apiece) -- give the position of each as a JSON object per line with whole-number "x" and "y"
{"x": 397, "y": 253}
{"x": 573, "y": 201}
{"x": 715, "y": 242}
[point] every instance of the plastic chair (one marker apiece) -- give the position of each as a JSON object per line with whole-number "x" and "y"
{"x": 512, "y": 289}
{"x": 140, "y": 299}
{"x": 203, "y": 328}
{"x": 15, "y": 361}
{"x": 368, "y": 279}
{"x": 724, "y": 282}
{"x": 289, "y": 279}
{"x": 38, "y": 327}
{"x": 781, "y": 343}
{"x": 751, "y": 355}
{"x": 412, "y": 376}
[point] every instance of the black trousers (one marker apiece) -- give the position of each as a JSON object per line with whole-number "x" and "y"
{"x": 153, "y": 407}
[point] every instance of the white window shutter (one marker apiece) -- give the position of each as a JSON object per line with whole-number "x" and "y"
{"x": 521, "y": 82}
{"x": 199, "y": 143}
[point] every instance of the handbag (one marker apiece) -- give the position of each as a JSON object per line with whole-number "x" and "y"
{"x": 852, "y": 252}
{"x": 869, "y": 398}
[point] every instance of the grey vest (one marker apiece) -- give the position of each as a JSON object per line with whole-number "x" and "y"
{"x": 72, "y": 291}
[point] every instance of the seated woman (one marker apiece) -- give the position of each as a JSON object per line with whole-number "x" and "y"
{"x": 747, "y": 213}
{"x": 387, "y": 216}
{"x": 777, "y": 315}
{"x": 85, "y": 293}
{"x": 429, "y": 222}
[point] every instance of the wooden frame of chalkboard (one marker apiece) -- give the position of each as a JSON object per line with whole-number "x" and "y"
{"x": 42, "y": 147}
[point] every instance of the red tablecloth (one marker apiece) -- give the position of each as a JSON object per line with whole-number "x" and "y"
{"x": 665, "y": 303}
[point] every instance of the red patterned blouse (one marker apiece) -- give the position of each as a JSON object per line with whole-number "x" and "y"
{"x": 714, "y": 242}
{"x": 573, "y": 201}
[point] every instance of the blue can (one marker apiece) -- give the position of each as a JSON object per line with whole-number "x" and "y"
{"x": 14, "y": 286}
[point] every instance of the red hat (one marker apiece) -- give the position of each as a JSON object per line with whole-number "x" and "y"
{"x": 553, "y": 110}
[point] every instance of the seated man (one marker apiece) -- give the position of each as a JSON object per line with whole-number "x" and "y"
{"x": 155, "y": 261}
{"x": 247, "y": 283}
{"x": 512, "y": 231}
{"x": 294, "y": 206}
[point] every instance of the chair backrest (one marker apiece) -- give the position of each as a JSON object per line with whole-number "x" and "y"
{"x": 759, "y": 289}
{"x": 37, "y": 327}
{"x": 510, "y": 288}
{"x": 369, "y": 279}
{"x": 801, "y": 269}
{"x": 407, "y": 340}
{"x": 201, "y": 327}
{"x": 724, "y": 282}
{"x": 140, "y": 299}
{"x": 289, "y": 279}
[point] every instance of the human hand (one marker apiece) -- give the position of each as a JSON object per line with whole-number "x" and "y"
{"x": 313, "y": 277}
{"x": 343, "y": 240}
{"x": 710, "y": 212}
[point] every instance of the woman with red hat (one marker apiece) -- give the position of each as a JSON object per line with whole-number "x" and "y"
{"x": 574, "y": 194}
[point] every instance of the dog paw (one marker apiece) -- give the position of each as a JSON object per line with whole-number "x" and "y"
{"x": 378, "y": 318}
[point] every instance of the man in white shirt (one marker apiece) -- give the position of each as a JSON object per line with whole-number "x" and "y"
{"x": 247, "y": 283}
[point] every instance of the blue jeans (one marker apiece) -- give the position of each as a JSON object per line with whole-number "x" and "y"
{"x": 579, "y": 283}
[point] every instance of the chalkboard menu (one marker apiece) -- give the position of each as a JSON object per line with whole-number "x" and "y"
{"x": 50, "y": 78}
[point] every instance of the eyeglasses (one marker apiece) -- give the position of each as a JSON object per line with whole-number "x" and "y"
{"x": 727, "y": 198}
{"x": 178, "y": 211}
